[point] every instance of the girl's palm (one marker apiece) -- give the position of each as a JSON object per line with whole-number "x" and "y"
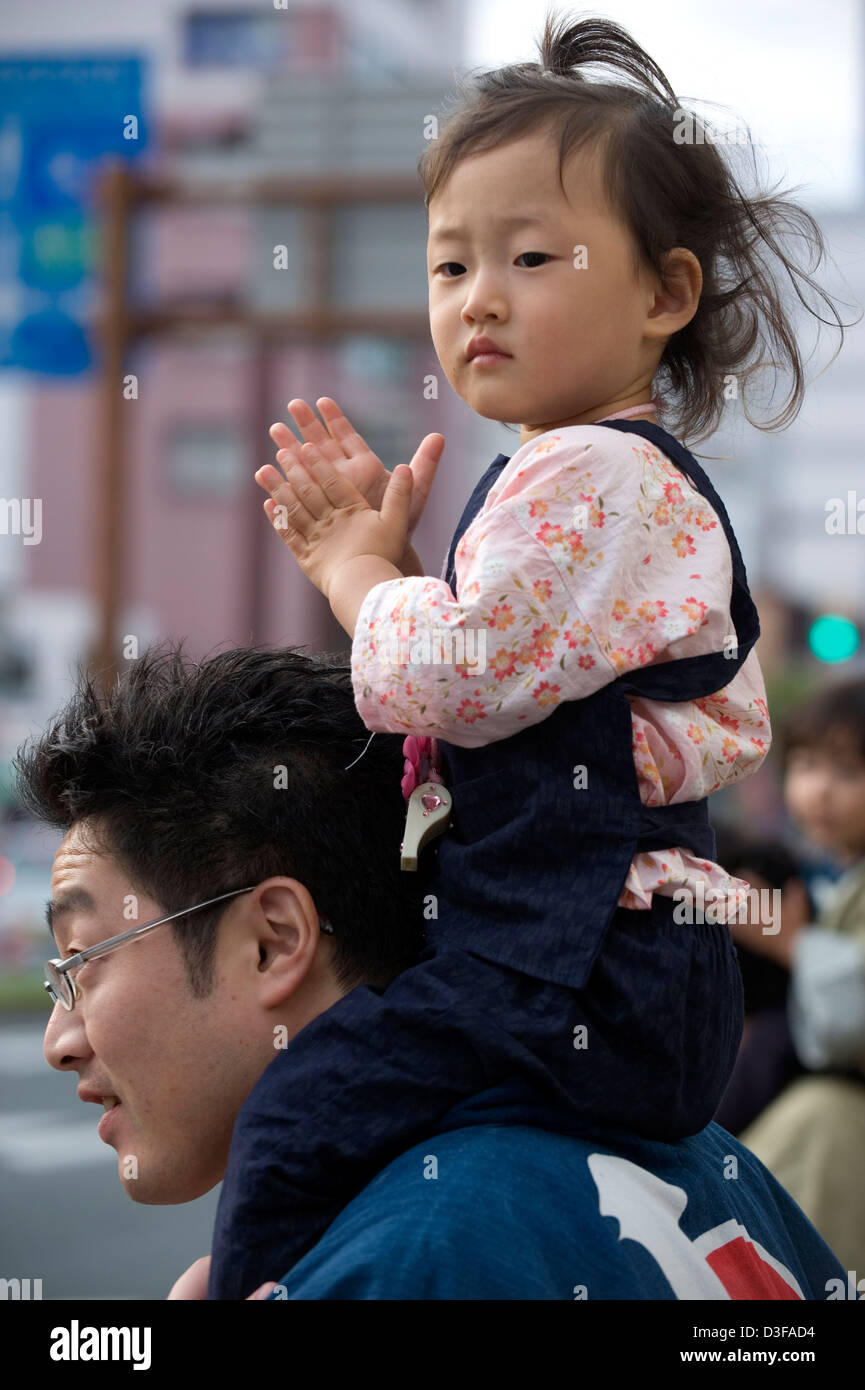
{"x": 350, "y": 454}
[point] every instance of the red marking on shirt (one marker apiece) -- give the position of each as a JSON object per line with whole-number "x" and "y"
{"x": 745, "y": 1275}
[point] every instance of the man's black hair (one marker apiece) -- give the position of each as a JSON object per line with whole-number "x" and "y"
{"x": 202, "y": 777}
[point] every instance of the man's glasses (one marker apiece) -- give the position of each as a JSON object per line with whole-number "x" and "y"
{"x": 61, "y": 983}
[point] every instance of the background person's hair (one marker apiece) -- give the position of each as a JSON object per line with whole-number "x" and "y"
{"x": 832, "y": 718}
{"x": 173, "y": 771}
{"x": 668, "y": 194}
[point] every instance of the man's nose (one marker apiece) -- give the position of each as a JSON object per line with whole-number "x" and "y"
{"x": 65, "y": 1044}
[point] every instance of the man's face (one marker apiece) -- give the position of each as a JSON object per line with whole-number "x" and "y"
{"x": 575, "y": 333}
{"x": 824, "y": 788}
{"x": 181, "y": 1067}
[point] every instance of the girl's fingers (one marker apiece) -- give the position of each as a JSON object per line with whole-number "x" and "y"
{"x": 277, "y": 517}
{"x": 288, "y": 448}
{"x": 310, "y": 490}
{"x": 270, "y": 511}
{"x": 423, "y": 468}
{"x": 281, "y": 435}
{"x": 268, "y": 478}
{"x": 292, "y": 511}
{"x": 396, "y": 502}
{"x": 313, "y": 430}
{"x": 339, "y": 426}
{"x": 328, "y": 489}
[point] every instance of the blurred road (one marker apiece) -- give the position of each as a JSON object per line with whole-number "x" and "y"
{"x": 64, "y": 1217}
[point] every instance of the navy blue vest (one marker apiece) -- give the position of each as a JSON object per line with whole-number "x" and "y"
{"x": 531, "y": 867}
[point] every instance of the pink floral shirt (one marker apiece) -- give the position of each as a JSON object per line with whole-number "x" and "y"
{"x": 592, "y": 555}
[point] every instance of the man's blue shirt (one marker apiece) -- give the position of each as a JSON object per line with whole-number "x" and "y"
{"x": 509, "y": 1211}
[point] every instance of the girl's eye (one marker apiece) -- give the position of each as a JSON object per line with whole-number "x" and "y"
{"x": 445, "y": 264}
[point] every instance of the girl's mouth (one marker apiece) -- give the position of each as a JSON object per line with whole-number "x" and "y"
{"x": 488, "y": 359}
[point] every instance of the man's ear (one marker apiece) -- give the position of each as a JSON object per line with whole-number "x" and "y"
{"x": 285, "y": 929}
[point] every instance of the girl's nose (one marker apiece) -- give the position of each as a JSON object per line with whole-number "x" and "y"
{"x": 484, "y": 298}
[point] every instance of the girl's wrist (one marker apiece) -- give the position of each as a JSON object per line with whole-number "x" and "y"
{"x": 349, "y": 585}
{"x": 411, "y": 564}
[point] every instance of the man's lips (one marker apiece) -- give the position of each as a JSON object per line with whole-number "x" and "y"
{"x": 107, "y": 1098}
{"x": 89, "y": 1094}
{"x": 106, "y": 1124}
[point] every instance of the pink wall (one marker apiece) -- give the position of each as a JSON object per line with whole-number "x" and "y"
{"x": 193, "y": 560}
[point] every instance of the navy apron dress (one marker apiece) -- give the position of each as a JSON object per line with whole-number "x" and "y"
{"x": 531, "y": 867}
{"x": 535, "y": 991}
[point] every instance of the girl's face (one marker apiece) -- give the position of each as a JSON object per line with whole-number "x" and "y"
{"x": 824, "y": 788}
{"x": 551, "y": 280}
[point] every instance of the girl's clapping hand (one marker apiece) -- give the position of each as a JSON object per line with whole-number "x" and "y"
{"x": 326, "y": 522}
{"x": 340, "y": 444}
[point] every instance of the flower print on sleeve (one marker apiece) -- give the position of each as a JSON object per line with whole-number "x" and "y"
{"x": 578, "y": 568}
{"x": 641, "y": 550}
{"x": 477, "y": 668}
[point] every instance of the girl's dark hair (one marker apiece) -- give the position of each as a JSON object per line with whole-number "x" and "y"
{"x": 832, "y": 718}
{"x": 202, "y": 777}
{"x": 668, "y": 193}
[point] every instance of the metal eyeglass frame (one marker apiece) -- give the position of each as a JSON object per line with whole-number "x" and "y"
{"x": 63, "y": 988}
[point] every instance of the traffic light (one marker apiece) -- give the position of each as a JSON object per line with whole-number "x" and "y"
{"x": 833, "y": 638}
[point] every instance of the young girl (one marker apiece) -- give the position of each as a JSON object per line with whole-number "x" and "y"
{"x": 619, "y": 687}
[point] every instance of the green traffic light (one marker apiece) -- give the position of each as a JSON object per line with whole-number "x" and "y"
{"x": 832, "y": 637}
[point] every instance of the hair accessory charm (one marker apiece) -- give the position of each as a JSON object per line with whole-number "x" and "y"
{"x": 429, "y": 802}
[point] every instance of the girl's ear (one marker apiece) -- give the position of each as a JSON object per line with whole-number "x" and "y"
{"x": 678, "y": 294}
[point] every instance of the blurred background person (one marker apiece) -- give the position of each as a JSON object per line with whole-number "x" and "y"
{"x": 767, "y": 1059}
{"x": 812, "y": 1136}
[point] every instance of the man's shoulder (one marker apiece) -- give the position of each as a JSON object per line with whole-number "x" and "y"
{"x": 498, "y": 1211}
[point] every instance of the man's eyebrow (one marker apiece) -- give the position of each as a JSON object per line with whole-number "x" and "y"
{"x": 518, "y": 219}
{"x": 75, "y": 900}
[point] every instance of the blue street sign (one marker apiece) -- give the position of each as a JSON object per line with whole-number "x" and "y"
{"x": 59, "y": 118}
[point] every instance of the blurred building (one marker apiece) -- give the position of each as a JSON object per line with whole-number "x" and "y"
{"x": 238, "y": 93}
